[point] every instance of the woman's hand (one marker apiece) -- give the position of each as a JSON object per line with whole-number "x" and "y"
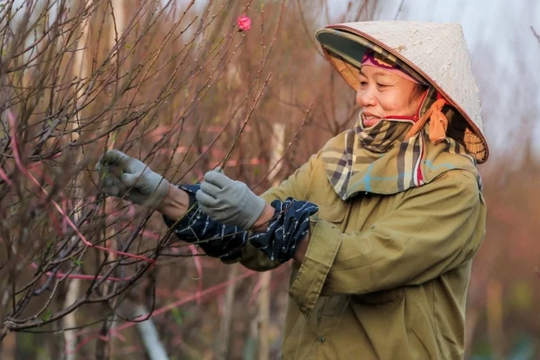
{"x": 128, "y": 178}
{"x": 229, "y": 201}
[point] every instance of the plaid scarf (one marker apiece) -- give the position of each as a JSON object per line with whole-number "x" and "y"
{"x": 378, "y": 159}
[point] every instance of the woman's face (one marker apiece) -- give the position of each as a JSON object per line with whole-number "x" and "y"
{"x": 382, "y": 94}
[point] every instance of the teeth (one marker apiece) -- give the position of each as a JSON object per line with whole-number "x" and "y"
{"x": 367, "y": 117}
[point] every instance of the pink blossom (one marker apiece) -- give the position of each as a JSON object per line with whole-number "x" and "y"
{"x": 244, "y": 23}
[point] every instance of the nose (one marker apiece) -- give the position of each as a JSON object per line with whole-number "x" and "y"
{"x": 365, "y": 97}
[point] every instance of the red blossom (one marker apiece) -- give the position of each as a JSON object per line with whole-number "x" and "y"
{"x": 244, "y": 23}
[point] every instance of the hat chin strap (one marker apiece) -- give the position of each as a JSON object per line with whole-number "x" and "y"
{"x": 438, "y": 123}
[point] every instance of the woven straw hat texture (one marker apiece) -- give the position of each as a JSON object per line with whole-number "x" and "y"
{"x": 435, "y": 53}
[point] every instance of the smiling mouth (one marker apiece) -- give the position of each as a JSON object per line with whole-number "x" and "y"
{"x": 369, "y": 120}
{"x": 368, "y": 115}
{"x": 371, "y": 117}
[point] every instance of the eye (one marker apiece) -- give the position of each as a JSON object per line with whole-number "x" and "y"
{"x": 363, "y": 83}
{"x": 382, "y": 85}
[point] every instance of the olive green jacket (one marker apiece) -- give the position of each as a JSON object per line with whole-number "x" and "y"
{"x": 384, "y": 276}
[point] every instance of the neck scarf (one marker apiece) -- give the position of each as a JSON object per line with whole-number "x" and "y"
{"x": 385, "y": 159}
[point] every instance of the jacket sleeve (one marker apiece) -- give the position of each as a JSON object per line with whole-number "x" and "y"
{"x": 295, "y": 186}
{"x": 435, "y": 228}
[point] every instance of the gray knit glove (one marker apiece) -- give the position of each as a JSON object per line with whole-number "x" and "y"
{"x": 125, "y": 177}
{"x": 229, "y": 201}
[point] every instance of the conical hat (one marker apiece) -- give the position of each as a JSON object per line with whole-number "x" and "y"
{"x": 434, "y": 53}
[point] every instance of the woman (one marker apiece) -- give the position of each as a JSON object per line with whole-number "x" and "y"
{"x": 382, "y": 223}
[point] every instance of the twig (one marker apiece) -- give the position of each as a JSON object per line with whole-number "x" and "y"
{"x": 398, "y": 12}
{"x": 535, "y": 34}
{"x": 248, "y": 117}
{"x": 293, "y": 141}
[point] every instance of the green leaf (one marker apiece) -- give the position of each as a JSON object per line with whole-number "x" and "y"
{"x": 47, "y": 315}
{"x": 177, "y": 315}
{"x": 77, "y": 262}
